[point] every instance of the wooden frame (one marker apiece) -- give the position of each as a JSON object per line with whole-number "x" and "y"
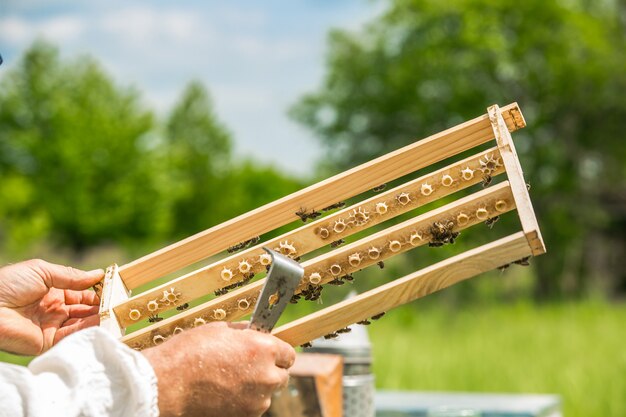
{"x": 206, "y": 280}
{"x": 436, "y": 227}
{"x": 347, "y": 184}
{"x": 406, "y": 289}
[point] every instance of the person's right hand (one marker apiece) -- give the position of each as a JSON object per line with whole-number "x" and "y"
{"x": 219, "y": 369}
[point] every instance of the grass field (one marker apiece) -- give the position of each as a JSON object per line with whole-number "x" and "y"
{"x": 575, "y": 350}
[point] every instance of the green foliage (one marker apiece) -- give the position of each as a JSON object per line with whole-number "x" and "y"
{"x": 73, "y": 159}
{"x": 198, "y": 153}
{"x": 425, "y": 65}
{"x": 206, "y": 185}
{"x": 573, "y": 350}
{"x": 82, "y": 162}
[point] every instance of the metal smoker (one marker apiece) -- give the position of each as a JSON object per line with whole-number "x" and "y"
{"x": 358, "y": 379}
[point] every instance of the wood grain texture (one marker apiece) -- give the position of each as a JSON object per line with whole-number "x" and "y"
{"x": 238, "y": 303}
{"x": 327, "y": 370}
{"x": 516, "y": 178}
{"x": 344, "y": 185}
{"x": 309, "y": 237}
{"x": 406, "y": 289}
{"x": 113, "y": 292}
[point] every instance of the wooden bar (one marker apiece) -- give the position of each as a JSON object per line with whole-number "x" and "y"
{"x": 113, "y": 292}
{"x": 344, "y": 185}
{"x": 516, "y": 178}
{"x": 406, "y": 289}
{"x": 414, "y": 232}
{"x": 307, "y": 238}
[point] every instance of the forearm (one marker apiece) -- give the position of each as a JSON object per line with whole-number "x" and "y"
{"x": 88, "y": 374}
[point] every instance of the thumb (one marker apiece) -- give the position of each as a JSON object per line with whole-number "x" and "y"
{"x": 66, "y": 277}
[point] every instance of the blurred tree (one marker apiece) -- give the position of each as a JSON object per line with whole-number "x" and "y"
{"x": 82, "y": 162}
{"x": 251, "y": 185}
{"x": 425, "y": 65}
{"x": 73, "y": 156}
{"x": 206, "y": 185}
{"x": 198, "y": 149}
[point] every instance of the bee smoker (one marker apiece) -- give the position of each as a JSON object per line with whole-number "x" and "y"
{"x": 358, "y": 380}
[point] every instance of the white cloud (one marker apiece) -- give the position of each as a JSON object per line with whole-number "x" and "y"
{"x": 253, "y": 57}
{"x": 146, "y": 26}
{"x": 15, "y": 31}
{"x": 60, "y": 29}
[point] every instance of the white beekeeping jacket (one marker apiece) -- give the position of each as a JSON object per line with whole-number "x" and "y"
{"x": 89, "y": 373}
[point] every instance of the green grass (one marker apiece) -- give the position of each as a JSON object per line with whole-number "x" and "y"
{"x": 574, "y": 350}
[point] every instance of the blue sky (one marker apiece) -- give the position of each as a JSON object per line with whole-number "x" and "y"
{"x": 256, "y": 57}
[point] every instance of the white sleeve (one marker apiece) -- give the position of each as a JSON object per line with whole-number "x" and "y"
{"x": 89, "y": 373}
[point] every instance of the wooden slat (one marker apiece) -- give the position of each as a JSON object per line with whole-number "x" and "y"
{"x": 307, "y": 238}
{"x": 113, "y": 292}
{"x": 406, "y": 289}
{"x": 344, "y": 185}
{"x": 229, "y": 304}
{"x": 516, "y": 177}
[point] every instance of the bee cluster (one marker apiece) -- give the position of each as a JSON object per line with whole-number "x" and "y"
{"x": 304, "y": 215}
{"x": 340, "y": 204}
{"x": 442, "y": 233}
{"x": 224, "y": 290}
{"x": 310, "y": 293}
{"x": 336, "y": 333}
{"x": 521, "y": 262}
{"x": 244, "y": 244}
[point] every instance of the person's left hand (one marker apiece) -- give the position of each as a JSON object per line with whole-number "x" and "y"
{"x": 41, "y": 303}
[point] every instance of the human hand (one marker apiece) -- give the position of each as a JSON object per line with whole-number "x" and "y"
{"x": 41, "y": 303}
{"x": 219, "y": 369}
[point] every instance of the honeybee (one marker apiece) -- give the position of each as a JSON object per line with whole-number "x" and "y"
{"x": 378, "y": 316}
{"x": 294, "y": 299}
{"x": 379, "y": 188}
{"x": 243, "y": 244}
{"x": 182, "y": 307}
{"x": 487, "y": 180}
{"x": 304, "y": 215}
{"x": 365, "y": 322}
{"x": 306, "y": 345}
{"x": 381, "y": 264}
{"x": 336, "y": 281}
{"x": 523, "y": 261}
{"x": 491, "y": 221}
{"x": 337, "y": 243}
{"x": 334, "y": 206}
{"x": 155, "y": 319}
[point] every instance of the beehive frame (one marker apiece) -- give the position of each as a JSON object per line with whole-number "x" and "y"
{"x": 230, "y": 276}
